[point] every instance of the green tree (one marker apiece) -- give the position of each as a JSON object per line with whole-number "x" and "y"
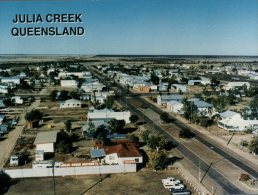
{"x": 189, "y": 109}
{"x": 253, "y": 145}
{"x": 154, "y": 78}
{"x": 156, "y": 142}
{"x": 91, "y": 128}
{"x": 109, "y": 101}
{"x": 164, "y": 116}
{"x": 53, "y": 95}
{"x": 145, "y": 136}
{"x": 186, "y": 133}
{"x": 64, "y": 95}
{"x": 33, "y": 115}
{"x": 133, "y": 118}
{"x": 134, "y": 139}
{"x": 68, "y": 126}
{"x": 116, "y": 125}
{"x": 64, "y": 143}
{"x": 157, "y": 160}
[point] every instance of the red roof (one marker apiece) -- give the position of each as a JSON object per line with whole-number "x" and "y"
{"x": 123, "y": 150}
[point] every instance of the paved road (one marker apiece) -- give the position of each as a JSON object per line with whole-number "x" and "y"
{"x": 227, "y": 186}
{"x": 7, "y": 145}
{"x": 215, "y": 175}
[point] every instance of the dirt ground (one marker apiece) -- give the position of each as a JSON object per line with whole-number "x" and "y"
{"x": 143, "y": 182}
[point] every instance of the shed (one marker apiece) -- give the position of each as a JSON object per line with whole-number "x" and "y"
{"x": 45, "y": 141}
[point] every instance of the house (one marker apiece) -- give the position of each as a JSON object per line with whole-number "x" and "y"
{"x": 69, "y": 83}
{"x": 71, "y": 103}
{"x": 236, "y": 84}
{"x": 4, "y": 129}
{"x": 203, "y": 108}
{"x": 203, "y": 81}
{"x": 45, "y": 141}
{"x": 163, "y": 99}
{"x": 2, "y": 118}
{"x": 14, "y": 160}
{"x": 11, "y": 80}
{"x": 3, "y": 88}
{"x": 175, "y": 106}
{"x": 2, "y": 105}
{"x": 17, "y": 100}
{"x": 107, "y": 114}
{"x": 179, "y": 88}
{"x": 92, "y": 86}
{"x": 78, "y": 74}
{"x": 233, "y": 121}
{"x": 143, "y": 89}
{"x": 122, "y": 153}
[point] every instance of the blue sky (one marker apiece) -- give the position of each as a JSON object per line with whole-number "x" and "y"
{"x": 162, "y": 27}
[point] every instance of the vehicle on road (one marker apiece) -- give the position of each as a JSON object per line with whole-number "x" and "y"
{"x": 144, "y": 106}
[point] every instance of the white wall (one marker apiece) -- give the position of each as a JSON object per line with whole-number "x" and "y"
{"x": 68, "y": 83}
{"x": 47, "y": 172}
{"x": 47, "y": 147}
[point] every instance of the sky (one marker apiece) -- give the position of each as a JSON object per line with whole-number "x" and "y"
{"x": 138, "y": 27}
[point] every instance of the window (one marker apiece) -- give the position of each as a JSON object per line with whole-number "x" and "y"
{"x": 136, "y": 160}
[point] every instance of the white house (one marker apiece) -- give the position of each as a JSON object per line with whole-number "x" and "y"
{"x": 14, "y": 80}
{"x": 45, "y": 141}
{"x": 122, "y": 154}
{"x": 17, "y": 100}
{"x": 233, "y": 121}
{"x": 203, "y": 108}
{"x": 69, "y": 83}
{"x": 175, "y": 106}
{"x": 233, "y": 85}
{"x": 92, "y": 86}
{"x": 163, "y": 99}
{"x": 107, "y": 114}
{"x": 203, "y": 81}
{"x": 78, "y": 74}
{"x": 179, "y": 87}
{"x": 71, "y": 103}
{"x": 3, "y": 88}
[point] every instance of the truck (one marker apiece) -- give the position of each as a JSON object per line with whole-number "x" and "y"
{"x": 169, "y": 182}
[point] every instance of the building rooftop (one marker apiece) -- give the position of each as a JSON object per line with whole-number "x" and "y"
{"x": 96, "y": 153}
{"x": 46, "y": 137}
{"x": 123, "y": 150}
{"x": 228, "y": 114}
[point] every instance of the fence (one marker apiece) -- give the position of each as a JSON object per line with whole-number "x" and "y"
{"x": 47, "y": 172}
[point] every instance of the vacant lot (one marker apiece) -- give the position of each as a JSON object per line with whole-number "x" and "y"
{"x": 143, "y": 182}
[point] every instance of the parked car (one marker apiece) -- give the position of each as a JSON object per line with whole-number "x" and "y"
{"x": 180, "y": 192}
{"x": 170, "y": 182}
{"x": 177, "y": 186}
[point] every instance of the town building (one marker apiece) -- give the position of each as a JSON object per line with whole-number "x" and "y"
{"x": 122, "y": 154}
{"x": 163, "y": 99}
{"x": 45, "y": 141}
{"x": 107, "y": 114}
{"x": 71, "y": 103}
{"x": 69, "y": 83}
{"x": 233, "y": 121}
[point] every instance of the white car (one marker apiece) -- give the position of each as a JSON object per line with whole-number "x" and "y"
{"x": 178, "y": 186}
{"x": 169, "y": 182}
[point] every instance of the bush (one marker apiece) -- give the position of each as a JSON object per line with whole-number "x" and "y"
{"x": 186, "y": 133}
{"x": 244, "y": 177}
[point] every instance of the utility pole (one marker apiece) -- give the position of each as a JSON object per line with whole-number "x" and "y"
{"x": 199, "y": 170}
{"x": 53, "y": 171}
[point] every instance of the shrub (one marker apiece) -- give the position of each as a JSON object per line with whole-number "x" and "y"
{"x": 244, "y": 177}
